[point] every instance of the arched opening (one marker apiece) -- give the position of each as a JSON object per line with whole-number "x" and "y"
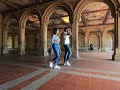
{"x": 30, "y": 26}
{"x": 57, "y": 15}
{"x": 58, "y": 19}
{"x": 31, "y": 30}
{"x": 96, "y": 15}
{"x": 13, "y": 30}
{"x": 10, "y": 28}
{"x": 91, "y": 15}
{"x": 94, "y": 41}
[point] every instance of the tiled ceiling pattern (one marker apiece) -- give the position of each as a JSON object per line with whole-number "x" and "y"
{"x": 9, "y": 5}
{"x": 21, "y": 2}
{"x": 13, "y": 26}
{"x": 61, "y": 12}
{"x": 3, "y": 7}
{"x": 56, "y": 17}
{"x": 33, "y": 22}
{"x": 96, "y": 13}
{"x": 59, "y": 19}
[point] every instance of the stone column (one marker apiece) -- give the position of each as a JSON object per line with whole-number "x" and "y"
{"x": 103, "y": 42}
{"x": 100, "y": 48}
{"x": 22, "y": 40}
{"x": 75, "y": 43}
{"x": 5, "y": 38}
{"x": 13, "y": 42}
{"x": 79, "y": 41}
{"x": 43, "y": 40}
{"x": 116, "y": 55}
{"x": 86, "y": 41}
{"x": 113, "y": 41}
{"x": 35, "y": 42}
{"x": 1, "y": 33}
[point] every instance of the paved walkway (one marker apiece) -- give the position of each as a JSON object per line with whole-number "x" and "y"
{"x": 93, "y": 71}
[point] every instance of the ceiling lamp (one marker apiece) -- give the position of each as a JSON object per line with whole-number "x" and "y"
{"x": 66, "y": 19}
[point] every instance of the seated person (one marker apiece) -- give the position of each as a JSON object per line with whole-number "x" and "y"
{"x": 91, "y": 47}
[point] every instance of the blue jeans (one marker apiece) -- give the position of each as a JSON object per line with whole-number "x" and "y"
{"x": 55, "y": 47}
{"x": 68, "y": 52}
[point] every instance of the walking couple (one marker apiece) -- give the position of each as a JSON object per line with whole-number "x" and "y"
{"x": 55, "y": 45}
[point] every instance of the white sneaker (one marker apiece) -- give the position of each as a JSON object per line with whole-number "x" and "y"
{"x": 65, "y": 64}
{"x": 51, "y": 64}
{"x": 56, "y": 66}
{"x": 68, "y": 64}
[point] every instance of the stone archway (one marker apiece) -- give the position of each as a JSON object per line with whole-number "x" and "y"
{"x": 45, "y": 19}
{"x": 5, "y": 26}
{"x": 94, "y": 40}
{"x": 77, "y": 14}
{"x": 22, "y": 26}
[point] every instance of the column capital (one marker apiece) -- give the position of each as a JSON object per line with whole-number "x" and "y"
{"x": 22, "y": 40}
{"x": 117, "y": 12}
{"x": 87, "y": 34}
{"x": 104, "y": 33}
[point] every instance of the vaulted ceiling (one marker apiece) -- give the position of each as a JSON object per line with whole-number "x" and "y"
{"x": 59, "y": 19}
{"x": 10, "y": 5}
{"x": 96, "y": 13}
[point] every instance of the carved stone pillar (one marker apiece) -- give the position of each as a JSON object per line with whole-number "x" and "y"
{"x": 75, "y": 43}
{"x": 22, "y": 40}
{"x": 103, "y": 42}
{"x": 1, "y": 33}
{"x": 13, "y": 42}
{"x": 116, "y": 55}
{"x": 86, "y": 41}
{"x": 79, "y": 40}
{"x": 36, "y": 42}
{"x": 43, "y": 41}
{"x": 5, "y": 38}
{"x": 100, "y": 48}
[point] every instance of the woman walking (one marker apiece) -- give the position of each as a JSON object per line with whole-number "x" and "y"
{"x": 55, "y": 45}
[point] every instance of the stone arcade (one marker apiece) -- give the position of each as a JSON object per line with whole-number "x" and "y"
{"x": 26, "y": 28}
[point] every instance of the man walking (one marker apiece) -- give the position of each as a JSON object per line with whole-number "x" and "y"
{"x": 66, "y": 36}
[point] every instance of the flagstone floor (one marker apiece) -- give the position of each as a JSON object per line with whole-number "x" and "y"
{"x": 92, "y": 71}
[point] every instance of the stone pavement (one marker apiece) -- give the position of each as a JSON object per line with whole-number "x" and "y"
{"x": 93, "y": 71}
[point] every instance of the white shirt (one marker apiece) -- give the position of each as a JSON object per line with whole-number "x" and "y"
{"x": 66, "y": 38}
{"x": 55, "y": 39}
